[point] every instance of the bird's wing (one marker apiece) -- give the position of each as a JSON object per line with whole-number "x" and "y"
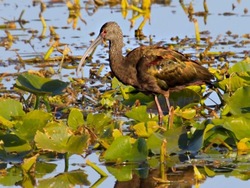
{"x": 171, "y": 68}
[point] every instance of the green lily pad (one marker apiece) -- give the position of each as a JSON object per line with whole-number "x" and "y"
{"x": 122, "y": 173}
{"x": 232, "y": 83}
{"x": 122, "y": 149}
{"x": 43, "y": 168}
{"x": 10, "y": 108}
{"x": 237, "y": 103}
{"x": 6, "y": 123}
{"x": 134, "y": 96}
{"x": 239, "y": 76}
{"x": 154, "y": 142}
{"x": 242, "y": 171}
{"x": 185, "y": 96}
{"x": 12, "y": 144}
{"x": 60, "y": 138}
{"x": 216, "y": 132}
{"x": 240, "y": 126}
{"x": 12, "y": 176}
{"x": 187, "y": 113}
{"x": 100, "y": 122}
{"x": 31, "y": 122}
{"x": 129, "y": 93}
{"x": 145, "y": 129}
{"x": 39, "y": 85}
{"x": 65, "y": 180}
{"x": 75, "y": 118}
{"x": 176, "y": 141}
{"x": 242, "y": 66}
{"x": 28, "y": 163}
{"x": 138, "y": 113}
{"x": 192, "y": 144}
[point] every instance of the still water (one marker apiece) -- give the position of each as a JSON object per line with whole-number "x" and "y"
{"x": 167, "y": 20}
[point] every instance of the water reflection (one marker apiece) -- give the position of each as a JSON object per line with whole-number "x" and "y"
{"x": 202, "y": 29}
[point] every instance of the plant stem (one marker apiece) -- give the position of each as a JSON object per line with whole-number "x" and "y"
{"x": 46, "y": 102}
{"x": 66, "y": 162}
{"x": 37, "y": 102}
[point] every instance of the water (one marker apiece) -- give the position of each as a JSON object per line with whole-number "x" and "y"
{"x": 165, "y": 22}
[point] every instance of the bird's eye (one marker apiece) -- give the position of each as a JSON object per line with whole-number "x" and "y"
{"x": 104, "y": 32}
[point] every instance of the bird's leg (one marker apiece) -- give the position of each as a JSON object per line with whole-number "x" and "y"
{"x": 160, "y": 112}
{"x": 170, "y": 110}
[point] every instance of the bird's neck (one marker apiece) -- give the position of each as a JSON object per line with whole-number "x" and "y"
{"x": 120, "y": 68}
{"x": 116, "y": 58}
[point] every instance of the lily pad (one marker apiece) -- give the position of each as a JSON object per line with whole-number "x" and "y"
{"x": 10, "y": 108}
{"x": 240, "y": 126}
{"x": 138, "y": 113}
{"x": 237, "y": 103}
{"x": 186, "y": 96}
{"x": 217, "y": 133}
{"x": 31, "y": 122}
{"x": 176, "y": 141}
{"x": 145, "y": 129}
{"x": 122, "y": 149}
{"x": 233, "y": 83}
{"x": 12, "y": 176}
{"x": 43, "y": 168}
{"x": 60, "y": 138}
{"x": 122, "y": 173}
{"x": 65, "y": 180}
{"x": 242, "y": 66}
{"x": 101, "y": 123}
{"x": 239, "y": 76}
{"x": 39, "y": 85}
{"x": 75, "y": 118}
{"x": 28, "y": 163}
{"x": 12, "y": 144}
{"x": 154, "y": 142}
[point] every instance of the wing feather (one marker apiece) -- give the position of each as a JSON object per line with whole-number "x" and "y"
{"x": 169, "y": 69}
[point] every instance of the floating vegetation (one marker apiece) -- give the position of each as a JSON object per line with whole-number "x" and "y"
{"x": 47, "y": 115}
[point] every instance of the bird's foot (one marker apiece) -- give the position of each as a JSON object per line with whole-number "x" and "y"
{"x": 160, "y": 119}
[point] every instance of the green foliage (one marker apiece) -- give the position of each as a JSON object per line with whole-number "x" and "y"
{"x": 138, "y": 113}
{"x": 242, "y": 66}
{"x": 121, "y": 124}
{"x": 122, "y": 173}
{"x": 239, "y": 77}
{"x": 26, "y": 135}
{"x": 240, "y": 126}
{"x": 10, "y": 108}
{"x": 13, "y": 143}
{"x": 237, "y": 103}
{"x": 32, "y": 121}
{"x": 13, "y": 175}
{"x": 67, "y": 179}
{"x": 29, "y": 163}
{"x": 38, "y": 128}
{"x": 145, "y": 129}
{"x": 75, "y": 118}
{"x": 60, "y": 138}
{"x": 39, "y": 85}
{"x": 126, "y": 149}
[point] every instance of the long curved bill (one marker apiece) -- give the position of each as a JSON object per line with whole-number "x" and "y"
{"x": 94, "y": 44}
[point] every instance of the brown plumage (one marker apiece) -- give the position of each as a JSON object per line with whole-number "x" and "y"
{"x": 151, "y": 69}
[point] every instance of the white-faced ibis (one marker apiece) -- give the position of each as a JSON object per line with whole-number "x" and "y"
{"x": 150, "y": 69}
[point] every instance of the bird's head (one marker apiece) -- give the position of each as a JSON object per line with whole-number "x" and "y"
{"x": 109, "y": 31}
